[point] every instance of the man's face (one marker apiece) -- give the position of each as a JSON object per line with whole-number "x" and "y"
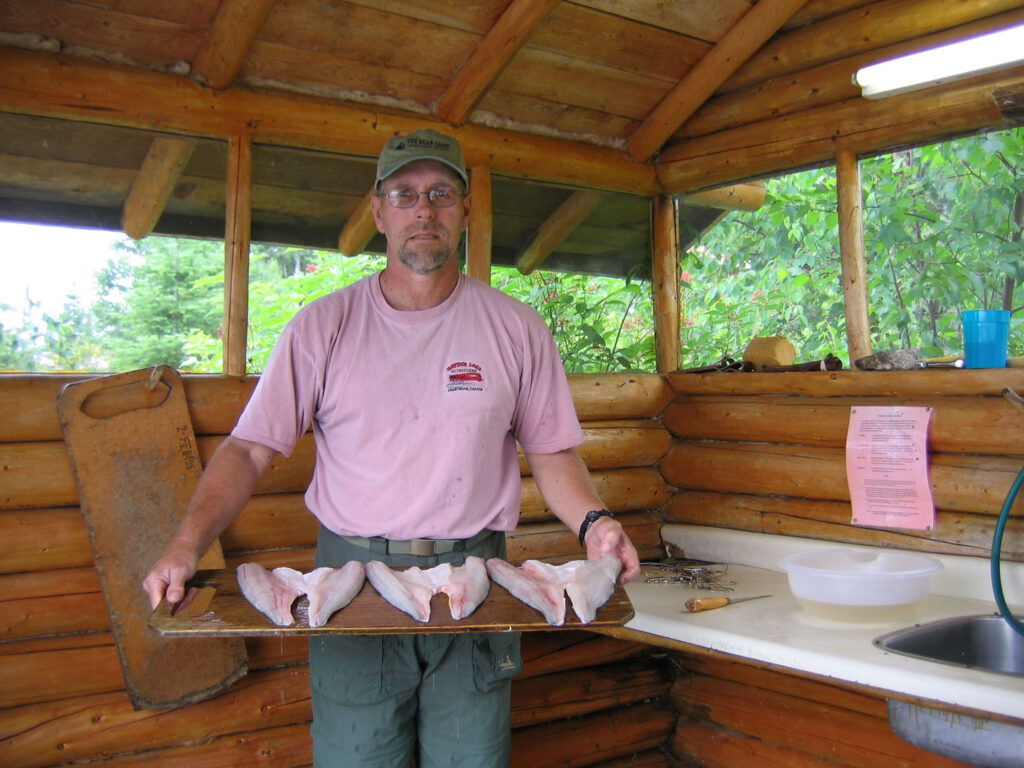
{"x": 425, "y": 236}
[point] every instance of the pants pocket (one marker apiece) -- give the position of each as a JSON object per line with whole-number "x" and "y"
{"x": 348, "y": 670}
{"x": 496, "y": 659}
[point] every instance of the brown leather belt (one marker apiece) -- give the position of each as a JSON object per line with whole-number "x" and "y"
{"x": 421, "y": 547}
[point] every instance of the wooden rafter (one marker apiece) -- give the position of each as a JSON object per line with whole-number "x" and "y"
{"x": 228, "y": 40}
{"x": 79, "y": 89}
{"x": 737, "y": 197}
{"x": 358, "y": 230}
{"x": 740, "y": 43}
{"x": 506, "y": 37}
{"x": 569, "y": 215}
{"x": 156, "y": 179}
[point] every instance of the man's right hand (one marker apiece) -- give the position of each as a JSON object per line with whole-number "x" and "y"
{"x": 166, "y": 579}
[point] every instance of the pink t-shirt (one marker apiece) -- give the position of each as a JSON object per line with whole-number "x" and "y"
{"x": 415, "y": 414}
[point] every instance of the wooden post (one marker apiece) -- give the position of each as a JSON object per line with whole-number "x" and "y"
{"x": 238, "y": 217}
{"x": 851, "y": 248}
{"x": 665, "y": 282}
{"x": 481, "y": 224}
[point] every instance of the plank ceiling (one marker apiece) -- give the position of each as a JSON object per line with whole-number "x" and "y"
{"x": 632, "y": 98}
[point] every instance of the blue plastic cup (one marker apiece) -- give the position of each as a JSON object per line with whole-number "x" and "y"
{"x": 986, "y": 336}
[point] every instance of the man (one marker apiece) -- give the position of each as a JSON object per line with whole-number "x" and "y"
{"x": 417, "y": 382}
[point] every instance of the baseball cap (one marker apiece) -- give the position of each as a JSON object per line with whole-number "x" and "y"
{"x": 424, "y": 144}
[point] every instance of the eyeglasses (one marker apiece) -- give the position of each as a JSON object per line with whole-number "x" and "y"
{"x": 407, "y": 197}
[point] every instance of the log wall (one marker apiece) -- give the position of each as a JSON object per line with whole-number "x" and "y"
{"x": 760, "y": 452}
{"x": 766, "y": 453}
{"x": 581, "y": 700}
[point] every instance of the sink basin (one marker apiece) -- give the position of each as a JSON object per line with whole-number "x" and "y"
{"x": 978, "y": 642}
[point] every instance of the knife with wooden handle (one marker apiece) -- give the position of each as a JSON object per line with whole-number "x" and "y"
{"x": 695, "y": 604}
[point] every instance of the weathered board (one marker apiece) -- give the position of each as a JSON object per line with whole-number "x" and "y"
{"x": 134, "y": 458}
{"x": 217, "y": 608}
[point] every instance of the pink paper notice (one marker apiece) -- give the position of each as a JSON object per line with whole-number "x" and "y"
{"x": 887, "y": 466}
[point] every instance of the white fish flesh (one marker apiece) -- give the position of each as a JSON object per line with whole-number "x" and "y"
{"x": 591, "y": 585}
{"x": 588, "y": 583}
{"x": 410, "y": 590}
{"x": 273, "y": 592}
{"x": 537, "y": 590}
{"x": 331, "y": 589}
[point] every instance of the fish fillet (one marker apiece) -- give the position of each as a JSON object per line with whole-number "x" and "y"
{"x": 537, "y": 590}
{"x": 331, "y": 589}
{"x": 273, "y": 592}
{"x": 588, "y": 583}
{"x": 410, "y": 590}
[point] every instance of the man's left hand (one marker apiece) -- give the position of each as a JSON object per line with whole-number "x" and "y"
{"x": 607, "y": 537}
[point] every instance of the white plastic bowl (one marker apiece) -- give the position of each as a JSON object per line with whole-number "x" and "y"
{"x": 859, "y": 585}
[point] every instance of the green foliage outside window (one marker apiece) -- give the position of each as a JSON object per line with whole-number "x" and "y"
{"x": 943, "y": 233}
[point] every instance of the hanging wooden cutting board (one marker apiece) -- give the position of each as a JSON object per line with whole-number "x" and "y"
{"x": 134, "y": 457}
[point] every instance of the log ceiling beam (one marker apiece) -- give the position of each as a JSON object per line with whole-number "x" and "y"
{"x": 738, "y": 197}
{"x": 228, "y": 41}
{"x": 810, "y": 138}
{"x": 493, "y": 54}
{"x": 359, "y": 229}
{"x": 79, "y": 89}
{"x": 741, "y": 42}
{"x": 569, "y": 215}
{"x": 156, "y": 179}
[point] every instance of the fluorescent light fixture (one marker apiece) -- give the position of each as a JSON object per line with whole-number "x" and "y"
{"x": 944, "y": 64}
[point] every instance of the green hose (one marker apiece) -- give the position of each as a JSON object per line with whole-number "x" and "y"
{"x": 997, "y": 545}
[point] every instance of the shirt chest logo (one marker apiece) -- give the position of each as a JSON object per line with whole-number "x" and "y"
{"x": 464, "y": 376}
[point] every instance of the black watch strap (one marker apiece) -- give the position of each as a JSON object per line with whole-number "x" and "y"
{"x": 591, "y": 517}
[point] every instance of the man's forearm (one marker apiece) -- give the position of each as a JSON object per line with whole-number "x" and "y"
{"x": 223, "y": 490}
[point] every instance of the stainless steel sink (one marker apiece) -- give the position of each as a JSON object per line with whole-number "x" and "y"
{"x": 978, "y": 642}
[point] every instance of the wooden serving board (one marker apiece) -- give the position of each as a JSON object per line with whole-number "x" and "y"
{"x": 215, "y": 607}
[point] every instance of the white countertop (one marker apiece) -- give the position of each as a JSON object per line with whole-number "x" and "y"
{"x": 778, "y": 631}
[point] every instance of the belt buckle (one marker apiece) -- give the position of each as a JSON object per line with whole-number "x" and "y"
{"x": 422, "y": 547}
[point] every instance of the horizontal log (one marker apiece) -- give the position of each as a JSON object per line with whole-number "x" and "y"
{"x": 288, "y": 746}
{"x": 38, "y": 474}
{"x": 34, "y": 83}
{"x": 43, "y": 539}
{"x": 653, "y": 758}
{"x": 971, "y": 424}
{"x": 810, "y": 137}
{"x": 977, "y": 484}
{"x": 590, "y": 740}
{"x": 955, "y": 533}
{"x": 29, "y": 678}
{"x": 843, "y": 695}
{"x": 562, "y": 650}
{"x": 847, "y": 383}
{"x": 581, "y": 692}
{"x": 827, "y": 731}
{"x": 95, "y": 727}
{"x": 28, "y": 402}
{"x": 552, "y": 541}
{"x": 622, "y": 490}
{"x": 51, "y": 538}
{"x": 704, "y": 743}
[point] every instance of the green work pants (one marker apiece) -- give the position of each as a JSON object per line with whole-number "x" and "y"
{"x": 378, "y": 700}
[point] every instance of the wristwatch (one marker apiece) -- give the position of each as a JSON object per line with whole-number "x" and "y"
{"x": 591, "y": 517}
